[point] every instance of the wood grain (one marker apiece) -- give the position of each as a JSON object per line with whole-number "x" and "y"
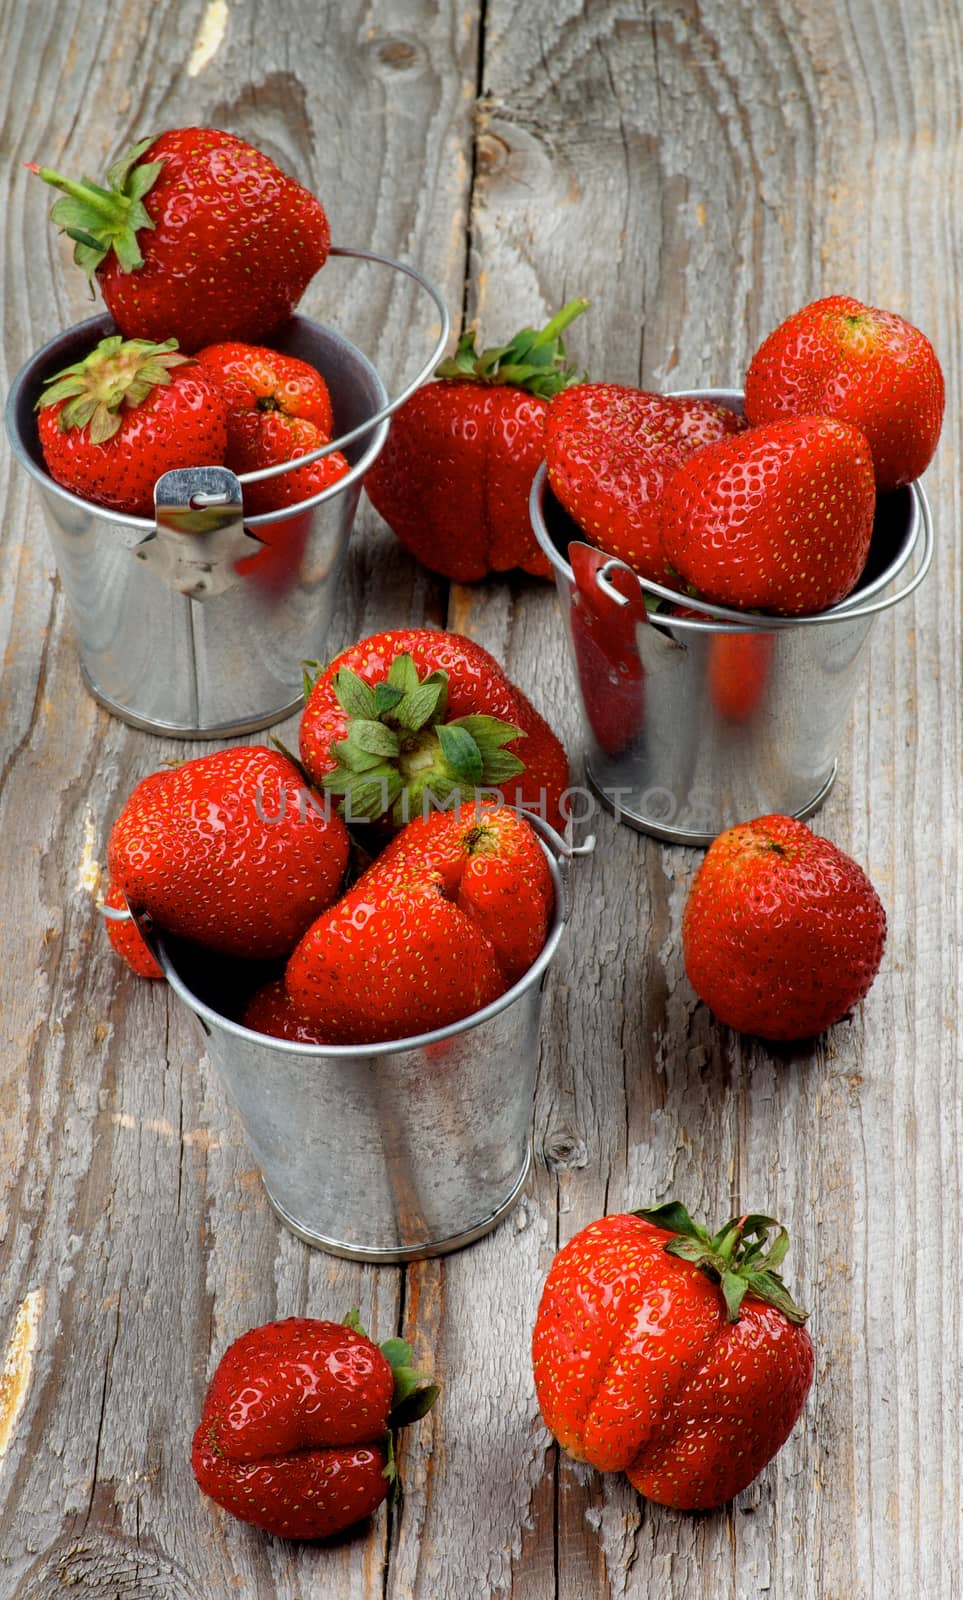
{"x": 699, "y": 168}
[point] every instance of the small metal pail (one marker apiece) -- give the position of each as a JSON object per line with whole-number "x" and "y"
{"x": 196, "y": 625}
{"x": 695, "y": 723}
{"x": 390, "y": 1152}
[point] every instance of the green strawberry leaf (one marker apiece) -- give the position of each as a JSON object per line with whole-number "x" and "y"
{"x": 373, "y": 738}
{"x": 461, "y": 753}
{"x": 353, "y": 695}
{"x": 417, "y": 1405}
{"x": 734, "y": 1289}
{"x": 397, "y": 1352}
{"x": 353, "y": 1321}
{"x": 674, "y": 1218}
{"x": 386, "y": 698}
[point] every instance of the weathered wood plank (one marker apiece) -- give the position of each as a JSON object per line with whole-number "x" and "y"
{"x": 128, "y": 1195}
{"x": 700, "y": 171}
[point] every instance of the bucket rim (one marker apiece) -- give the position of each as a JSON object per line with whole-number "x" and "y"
{"x": 101, "y": 326}
{"x": 389, "y": 1047}
{"x": 722, "y": 619}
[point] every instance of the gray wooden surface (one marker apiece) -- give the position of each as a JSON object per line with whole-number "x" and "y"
{"x": 699, "y": 168}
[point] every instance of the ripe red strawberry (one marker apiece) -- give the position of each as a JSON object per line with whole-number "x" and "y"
{"x": 296, "y": 1433}
{"x": 197, "y": 236}
{"x": 127, "y": 939}
{"x": 404, "y": 716}
{"x": 270, "y": 1011}
{"x": 778, "y": 519}
{"x": 609, "y": 450}
{"x": 611, "y": 679}
{"x": 782, "y": 933}
{"x": 278, "y": 408}
{"x": 674, "y": 1357}
{"x": 843, "y": 359}
{"x": 454, "y": 477}
{"x": 116, "y": 421}
{"x": 450, "y": 916}
{"x": 229, "y": 851}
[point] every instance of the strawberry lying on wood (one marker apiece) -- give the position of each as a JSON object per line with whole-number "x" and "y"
{"x": 676, "y": 1358}
{"x": 197, "y": 236}
{"x": 454, "y": 477}
{"x": 224, "y": 850}
{"x": 782, "y": 933}
{"x": 776, "y": 519}
{"x": 609, "y": 450}
{"x": 297, "y": 1434}
{"x": 414, "y": 717}
{"x": 841, "y": 358}
{"x": 116, "y": 421}
{"x": 278, "y": 408}
{"x": 452, "y": 914}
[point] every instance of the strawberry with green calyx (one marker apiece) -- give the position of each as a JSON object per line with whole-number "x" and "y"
{"x": 417, "y": 716}
{"x": 197, "y": 235}
{"x": 454, "y": 478}
{"x": 128, "y": 412}
{"x": 398, "y": 747}
{"x": 672, "y": 1355}
{"x": 297, "y": 1433}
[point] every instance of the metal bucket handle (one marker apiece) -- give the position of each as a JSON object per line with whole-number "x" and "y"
{"x": 563, "y": 852}
{"x": 843, "y": 612}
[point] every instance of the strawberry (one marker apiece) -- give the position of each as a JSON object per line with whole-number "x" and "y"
{"x": 674, "y": 1357}
{"x": 611, "y": 679}
{"x": 297, "y": 1429}
{"x": 454, "y": 477}
{"x": 127, "y": 939}
{"x": 197, "y": 236}
{"x": 404, "y": 719}
{"x": 782, "y": 933}
{"x": 609, "y": 449}
{"x": 278, "y": 408}
{"x": 116, "y": 421}
{"x": 230, "y": 851}
{"x": 840, "y": 358}
{"x": 270, "y": 1011}
{"x": 452, "y": 913}
{"x": 777, "y": 519}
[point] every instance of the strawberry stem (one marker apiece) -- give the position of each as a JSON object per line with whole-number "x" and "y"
{"x": 740, "y": 1258}
{"x": 534, "y": 360}
{"x": 100, "y": 220}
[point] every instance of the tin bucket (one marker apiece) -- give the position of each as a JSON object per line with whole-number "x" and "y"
{"x": 390, "y": 1152}
{"x": 195, "y": 625}
{"x": 704, "y": 721}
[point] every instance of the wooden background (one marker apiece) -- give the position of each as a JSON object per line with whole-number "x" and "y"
{"x": 699, "y": 168}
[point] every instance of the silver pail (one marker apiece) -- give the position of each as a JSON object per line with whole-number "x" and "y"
{"x": 389, "y": 1152}
{"x": 195, "y": 625}
{"x": 704, "y": 721}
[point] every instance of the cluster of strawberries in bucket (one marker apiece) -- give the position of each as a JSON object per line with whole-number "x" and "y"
{"x": 428, "y": 915}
